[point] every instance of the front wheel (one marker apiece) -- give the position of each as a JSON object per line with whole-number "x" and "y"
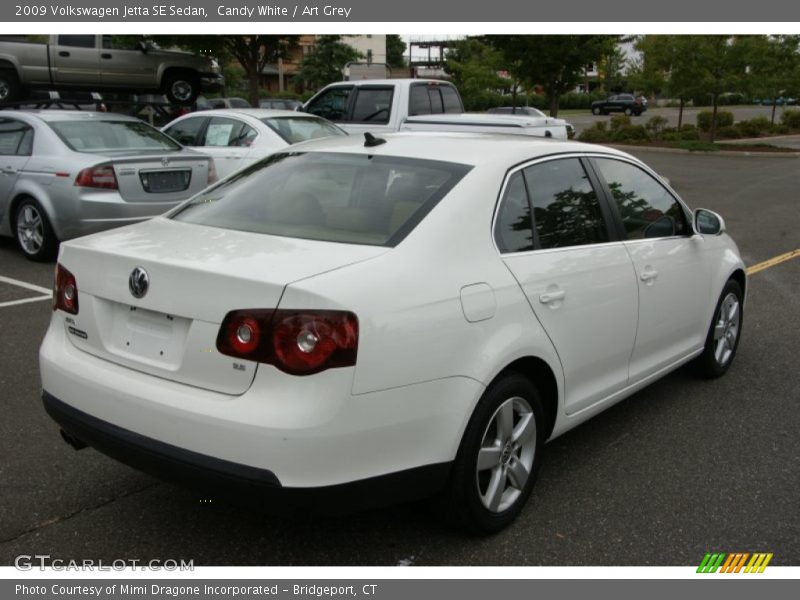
{"x": 35, "y": 235}
{"x": 628, "y": 112}
{"x": 723, "y": 335}
{"x": 596, "y": 110}
{"x": 499, "y": 457}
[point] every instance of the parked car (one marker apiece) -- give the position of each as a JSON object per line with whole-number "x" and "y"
{"x": 236, "y": 138}
{"x": 228, "y": 103}
{"x": 372, "y": 320}
{"x": 528, "y": 111}
{"x": 624, "y": 103}
{"x": 280, "y": 103}
{"x": 69, "y": 173}
{"x": 99, "y": 63}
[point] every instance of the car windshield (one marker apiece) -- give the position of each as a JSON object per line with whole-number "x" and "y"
{"x": 103, "y": 136}
{"x": 299, "y": 129}
{"x": 348, "y": 198}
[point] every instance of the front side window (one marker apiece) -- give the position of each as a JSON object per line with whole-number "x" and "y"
{"x": 187, "y": 131}
{"x": 513, "y": 230}
{"x": 16, "y": 138}
{"x": 566, "y": 210}
{"x": 373, "y": 105}
{"x": 332, "y": 104}
{"x": 85, "y": 135}
{"x": 349, "y": 198}
{"x": 646, "y": 207}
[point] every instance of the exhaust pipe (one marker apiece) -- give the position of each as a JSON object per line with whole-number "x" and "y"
{"x": 73, "y": 441}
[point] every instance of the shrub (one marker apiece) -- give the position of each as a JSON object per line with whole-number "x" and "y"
{"x": 596, "y": 134}
{"x": 781, "y": 129}
{"x": 670, "y": 136}
{"x": 728, "y": 132}
{"x": 656, "y": 126}
{"x": 724, "y": 119}
{"x": 688, "y": 127}
{"x": 618, "y": 122}
{"x": 630, "y": 133}
{"x": 689, "y": 134}
{"x": 791, "y": 118}
{"x": 754, "y": 127}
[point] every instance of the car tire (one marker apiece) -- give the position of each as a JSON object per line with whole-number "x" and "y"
{"x": 33, "y": 232}
{"x": 501, "y": 453}
{"x": 182, "y": 87}
{"x": 724, "y": 333}
{"x": 628, "y": 112}
{"x": 9, "y": 86}
{"x": 596, "y": 110}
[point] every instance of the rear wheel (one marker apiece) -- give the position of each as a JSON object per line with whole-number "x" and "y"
{"x": 628, "y": 112}
{"x": 32, "y": 229}
{"x": 9, "y": 86}
{"x": 499, "y": 457}
{"x": 596, "y": 110}
{"x": 182, "y": 87}
{"x": 723, "y": 335}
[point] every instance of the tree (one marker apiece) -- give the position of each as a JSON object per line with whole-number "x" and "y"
{"x": 253, "y": 52}
{"x": 395, "y": 51}
{"x": 324, "y": 64}
{"x": 721, "y": 66}
{"x": 773, "y": 66}
{"x": 473, "y": 66}
{"x": 556, "y": 62}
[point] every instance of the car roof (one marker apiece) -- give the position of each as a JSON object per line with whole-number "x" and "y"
{"x": 406, "y": 80}
{"x": 465, "y": 148}
{"x": 257, "y": 113}
{"x": 51, "y": 115}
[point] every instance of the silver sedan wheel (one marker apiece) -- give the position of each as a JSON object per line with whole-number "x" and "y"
{"x": 505, "y": 458}
{"x": 726, "y": 329}
{"x": 30, "y": 229}
{"x": 182, "y": 89}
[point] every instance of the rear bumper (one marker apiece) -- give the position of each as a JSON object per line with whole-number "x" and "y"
{"x": 215, "y": 477}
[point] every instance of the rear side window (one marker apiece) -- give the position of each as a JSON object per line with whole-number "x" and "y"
{"x": 332, "y": 104}
{"x": 299, "y": 129}
{"x": 373, "y": 105}
{"x": 452, "y": 102}
{"x": 419, "y": 101}
{"x": 514, "y": 229}
{"x": 646, "y": 207}
{"x": 86, "y": 135}
{"x": 187, "y": 132}
{"x": 349, "y": 198}
{"x": 566, "y": 210}
{"x": 16, "y": 138}
{"x": 222, "y": 131}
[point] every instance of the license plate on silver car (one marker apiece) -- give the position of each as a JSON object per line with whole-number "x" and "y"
{"x": 164, "y": 182}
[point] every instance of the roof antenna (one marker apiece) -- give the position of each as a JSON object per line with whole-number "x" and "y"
{"x": 372, "y": 141}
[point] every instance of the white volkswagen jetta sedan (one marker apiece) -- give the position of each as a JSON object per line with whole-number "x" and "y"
{"x": 374, "y": 321}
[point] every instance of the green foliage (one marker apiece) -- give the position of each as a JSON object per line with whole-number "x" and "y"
{"x": 656, "y": 126}
{"x": 728, "y": 132}
{"x": 630, "y": 133}
{"x": 618, "y": 122}
{"x": 325, "y": 62}
{"x": 689, "y": 134}
{"x": 724, "y": 119}
{"x": 473, "y": 66}
{"x": 791, "y": 118}
{"x": 395, "y": 51}
{"x": 596, "y": 134}
{"x": 754, "y": 127}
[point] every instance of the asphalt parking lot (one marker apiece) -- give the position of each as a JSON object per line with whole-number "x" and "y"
{"x": 681, "y": 467}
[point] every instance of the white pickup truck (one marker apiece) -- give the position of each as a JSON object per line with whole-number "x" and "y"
{"x": 385, "y": 105}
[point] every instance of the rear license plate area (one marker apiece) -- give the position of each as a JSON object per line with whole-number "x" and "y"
{"x": 165, "y": 182}
{"x": 148, "y": 336}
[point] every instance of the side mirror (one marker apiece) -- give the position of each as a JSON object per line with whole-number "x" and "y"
{"x": 707, "y": 222}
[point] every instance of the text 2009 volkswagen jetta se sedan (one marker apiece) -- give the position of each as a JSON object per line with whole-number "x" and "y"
{"x": 382, "y": 320}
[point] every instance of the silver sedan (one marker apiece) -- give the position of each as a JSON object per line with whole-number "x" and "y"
{"x": 64, "y": 174}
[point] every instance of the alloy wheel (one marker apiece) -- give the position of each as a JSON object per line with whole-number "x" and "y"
{"x": 30, "y": 229}
{"x": 726, "y": 329}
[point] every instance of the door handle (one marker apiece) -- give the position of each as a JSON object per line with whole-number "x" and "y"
{"x": 549, "y": 297}
{"x": 8, "y": 171}
{"x": 648, "y": 275}
{"x": 63, "y": 53}
{"x": 105, "y": 55}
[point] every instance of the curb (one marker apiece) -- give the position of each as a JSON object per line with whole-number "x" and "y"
{"x": 625, "y": 148}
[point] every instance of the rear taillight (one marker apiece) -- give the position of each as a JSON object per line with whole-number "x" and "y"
{"x": 65, "y": 294}
{"x": 101, "y": 176}
{"x": 300, "y": 342}
{"x": 212, "y": 172}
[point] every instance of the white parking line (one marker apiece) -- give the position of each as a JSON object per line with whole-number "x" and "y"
{"x": 25, "y": 301}
{"x": 27, "y": 286}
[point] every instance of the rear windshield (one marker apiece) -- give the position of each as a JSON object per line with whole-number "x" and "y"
{"x": 102, "y": 136}
{"x": 349, "y": 198}
{"x": 299, "y": 129}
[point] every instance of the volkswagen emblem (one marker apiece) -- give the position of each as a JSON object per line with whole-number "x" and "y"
{"x": 165, "y": 162}
{"x": 138, "y": 282}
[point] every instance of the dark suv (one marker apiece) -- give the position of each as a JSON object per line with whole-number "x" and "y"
{"x": 627, "y": 103}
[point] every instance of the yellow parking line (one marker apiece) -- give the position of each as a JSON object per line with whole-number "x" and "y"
{"x": 775, "y": 260}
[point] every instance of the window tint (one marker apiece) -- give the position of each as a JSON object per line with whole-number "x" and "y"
{"x": 299, "y": 129}
{"x": 566, "y": 211}
{"x": 101, "y": 136}
{"x": 645, "y": 206}
{"x": 349, "y": 198}
{"x": 15, "y": 137}
{"x": 419, "y": 102}
{"x": 222, "y": 131}
{"x": 187, "y": 131}
{"x": 513, "y": 230}
{"x": 373, "y": 105}
{"x": 436, "y": 100}
{"x": 331, "y": 105}
{"x": 452, "y": 103}
{"x": 76, "y": 41}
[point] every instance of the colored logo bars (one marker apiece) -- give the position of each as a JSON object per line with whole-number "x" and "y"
{"x": 734, "y": 562}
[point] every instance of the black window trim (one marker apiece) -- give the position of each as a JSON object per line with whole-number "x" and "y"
{"x": 602, "y": 198}
{"x": 620, "y": 225}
